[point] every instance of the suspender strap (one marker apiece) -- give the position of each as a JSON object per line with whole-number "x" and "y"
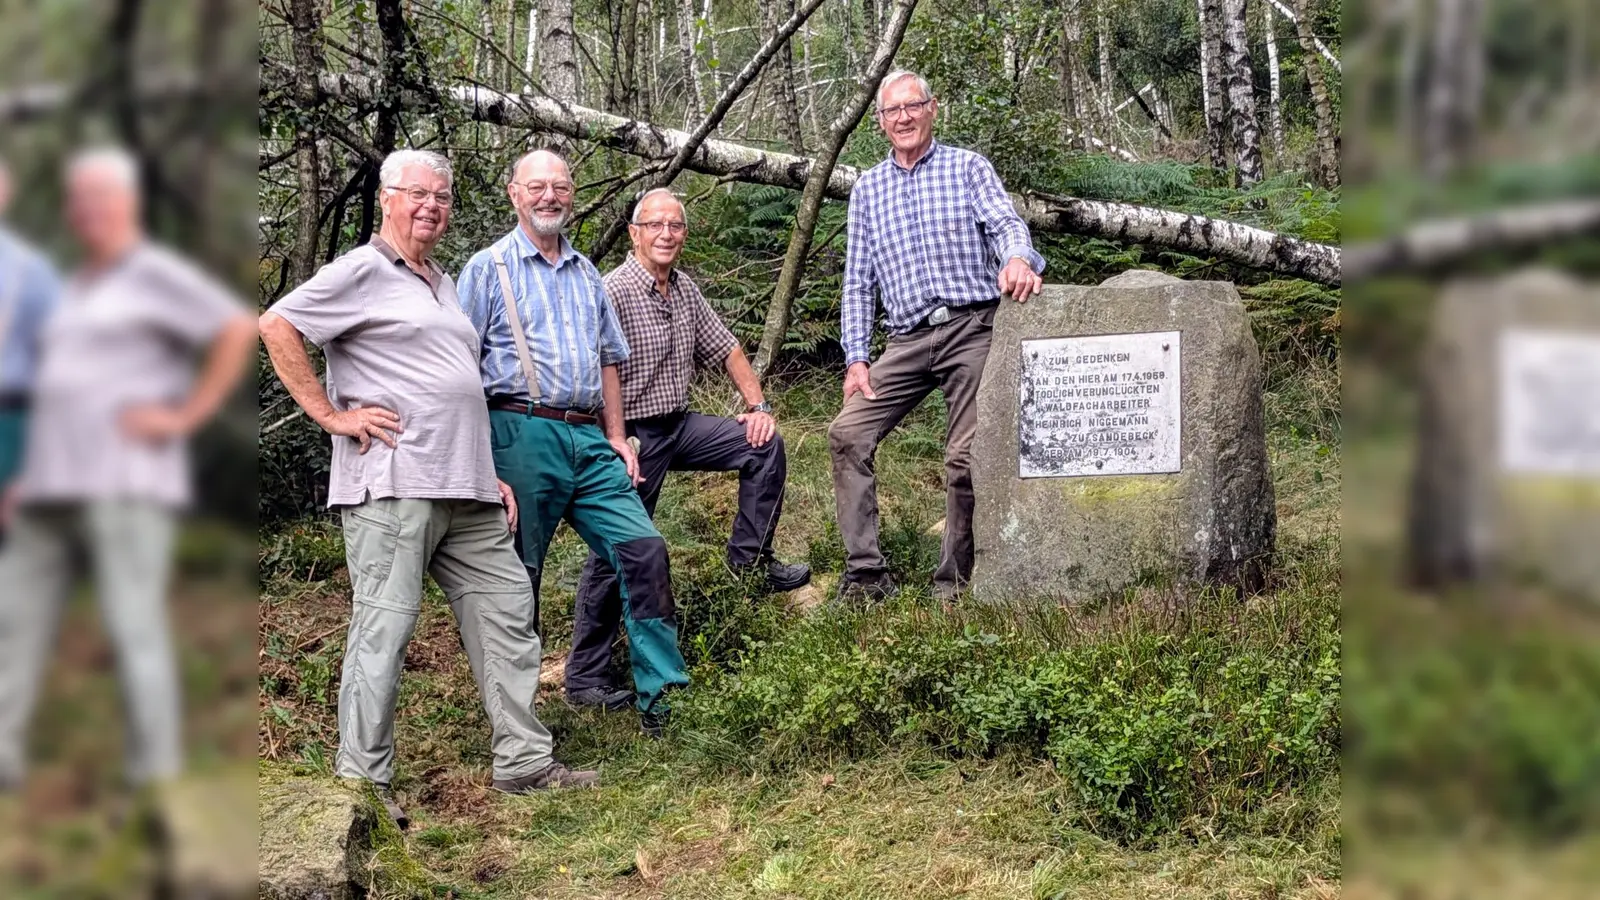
{"x": 514, "y": 319}
{"x": 10, "y": 300}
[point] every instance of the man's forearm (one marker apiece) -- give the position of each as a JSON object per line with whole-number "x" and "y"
{"x": 225, "y": 365}
{"x": 286, "y": 347}
{"x": 611, "y": 414}
{"x": 744, "y": 377}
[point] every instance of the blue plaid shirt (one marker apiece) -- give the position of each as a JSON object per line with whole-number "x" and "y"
{"x": 572, "y": 328}
{"x": 935, "y": 234}
{"x": 29, "y": 292}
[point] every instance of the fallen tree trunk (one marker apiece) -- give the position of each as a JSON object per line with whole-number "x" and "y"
{"x": 1231, "y": 242}
{"x": 1432, "y": 245}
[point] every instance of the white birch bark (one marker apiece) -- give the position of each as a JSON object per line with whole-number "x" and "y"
{"x": 1275, "y": 84}
{"x": 1242, "y": 120}
{"x": 1232, "y": 242}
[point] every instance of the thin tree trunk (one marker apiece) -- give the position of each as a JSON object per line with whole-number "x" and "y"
{"x": 532, "y": 58}
{"x": 1108, "y": 77}
{"x": 1288, "y": 12}
{"x": 558, "y": 53}
{"x": 1244, "y": 124}
{"x": 508, "y": 81}
{"x": 1327, "y": 128}
{"x": 392, "y": 31}
{"x": 1123, "y": 223}
{"x": 696, "y": 97}
{"x": 717, "y": 80}
{"x": 306, "y": 22}
{"x": 811, "y": 84}
{"x": 812, "y": 196}
{"x": 788, "y": 98}
{"x": 629, "y": 29}
{"x": 1275, "y": 83}
{"x": 772, "y": 47}
{"x": 848, "y": 38}
{"x": 1072, "y": 119}
{"x": 1212, "y": 75}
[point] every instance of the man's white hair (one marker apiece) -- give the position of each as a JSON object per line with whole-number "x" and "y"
{"x": 120, "y": 163}
{"x": 654, "y": 192}
{"x": 400, "y": 160}
{"x": 902, "y": 75}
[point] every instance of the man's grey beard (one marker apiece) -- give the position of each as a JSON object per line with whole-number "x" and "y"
{"x": 549, "y": 227}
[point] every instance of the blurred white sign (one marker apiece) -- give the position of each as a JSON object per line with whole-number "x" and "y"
{"x": 1550, "y": 402}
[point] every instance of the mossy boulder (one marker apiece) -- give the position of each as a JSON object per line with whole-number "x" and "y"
{"x": 328, "y": 839}
{"x": 1076, "y": 537}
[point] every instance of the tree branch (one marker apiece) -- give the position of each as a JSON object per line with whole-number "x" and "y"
{"x": 1431, "y": 245}
{"x": 1239, "y": 244}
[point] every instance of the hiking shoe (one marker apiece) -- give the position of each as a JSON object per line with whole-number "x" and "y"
{"x": 610, "y": 699}
{"x": 653, "y": 724}
{"x": 781, "y": 577}
{"x": 398, "y": 815}
{"x": 870, "y": 589}
{"x": 554, "y": 775}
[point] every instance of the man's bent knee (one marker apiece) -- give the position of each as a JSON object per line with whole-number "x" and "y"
{"x": 646, "y": 577}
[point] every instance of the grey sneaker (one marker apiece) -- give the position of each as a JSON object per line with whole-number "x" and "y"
{"x": 609, "y": 699}
{"x": 401, "y": 820}
{"x": 554, "y": 775}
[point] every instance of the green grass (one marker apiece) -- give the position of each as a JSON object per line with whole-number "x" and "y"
{"x": 950, "y": 779}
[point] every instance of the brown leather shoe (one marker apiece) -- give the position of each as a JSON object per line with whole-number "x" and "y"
{"x": 552, "y": 776}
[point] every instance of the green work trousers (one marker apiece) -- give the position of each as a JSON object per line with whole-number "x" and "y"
{"x": 13, "y": 427}
{"x": 561, "y": 471}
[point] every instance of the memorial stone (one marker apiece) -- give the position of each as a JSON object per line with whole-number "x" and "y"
{"x": 1120, "y": 440}
{"x": 1506, "y": 484}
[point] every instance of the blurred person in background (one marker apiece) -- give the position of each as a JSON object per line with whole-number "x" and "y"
{"x": 105, "y": 472}
{"x": 414, "y": 481}
{"x": 29, "y": 289}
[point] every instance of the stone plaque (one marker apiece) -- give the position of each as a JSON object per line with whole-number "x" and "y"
{"x": 1106, "y": 404}
{"x": 1549, "y": 402}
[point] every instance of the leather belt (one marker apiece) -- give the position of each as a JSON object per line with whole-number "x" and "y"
{"x": 943, "y": 314}
{"x": 569, "y": 416}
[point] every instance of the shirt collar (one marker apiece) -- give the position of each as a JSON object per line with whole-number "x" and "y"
{"x": 394, "y": 257}
{"x": 932, "y": 149}
{"x": 524, "y": 248}
{"x": 634, "y": 269}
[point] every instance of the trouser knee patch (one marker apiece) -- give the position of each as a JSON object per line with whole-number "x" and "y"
{"x": 645, "y": 577}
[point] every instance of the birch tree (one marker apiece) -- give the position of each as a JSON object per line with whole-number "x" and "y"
{"x": 558, "y": 57}
{"x": 1211, "y": 83}
{"x": 1274, "y": 82}
{"x": 1327, "y": 168}
{"x": 1244, "y": 124}
{"x": 691, "y": 75}
{"x": 306, "y": 22}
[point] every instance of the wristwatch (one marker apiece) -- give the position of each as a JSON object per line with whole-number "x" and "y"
{"x": 763, "y": 406}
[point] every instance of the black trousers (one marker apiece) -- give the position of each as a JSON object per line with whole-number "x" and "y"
{"x": 683, "y": 442}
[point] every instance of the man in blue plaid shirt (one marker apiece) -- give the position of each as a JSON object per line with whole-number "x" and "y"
{"x": 932, "y": 231}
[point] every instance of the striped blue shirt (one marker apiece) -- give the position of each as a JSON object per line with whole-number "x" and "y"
{"x": 30, "y": 290}
{"x": 571, "y": 326}
{"x": 933, "y": 235}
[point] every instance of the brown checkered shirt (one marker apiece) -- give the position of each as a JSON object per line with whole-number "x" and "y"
{"x": 668, "y": 339}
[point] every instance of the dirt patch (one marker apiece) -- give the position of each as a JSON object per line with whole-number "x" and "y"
{"x": 454, "y": 795}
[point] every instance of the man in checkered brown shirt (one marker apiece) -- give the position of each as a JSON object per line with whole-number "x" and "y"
{"x": 672, "y": 333}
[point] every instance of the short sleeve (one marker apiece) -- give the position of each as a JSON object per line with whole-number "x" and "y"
{"x": 712, "y": 339}
{"x": 188, "y": 301}
{"x": 328, "y": 305}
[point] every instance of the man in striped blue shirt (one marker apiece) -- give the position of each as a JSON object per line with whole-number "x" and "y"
{"x": 933, "y": 235}
{"x": 549, "y": 345}
{"x": 29, "y": 291}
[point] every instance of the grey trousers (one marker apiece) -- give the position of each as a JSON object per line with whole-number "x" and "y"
{"x": 128, "y": 547}
{"x": 467, "y": 548}
{"x": 948, "y": 358}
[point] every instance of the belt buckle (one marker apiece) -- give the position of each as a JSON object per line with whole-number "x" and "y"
{"x": 939, "y": 316}
{"x": 567, "y": 414}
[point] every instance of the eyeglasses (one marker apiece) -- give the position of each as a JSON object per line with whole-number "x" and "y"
{"x": 420, "y": 196}
{"x": 562, "y": 189}
{"x": 911, "y": 109}
{"x": 655, "y": 227}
